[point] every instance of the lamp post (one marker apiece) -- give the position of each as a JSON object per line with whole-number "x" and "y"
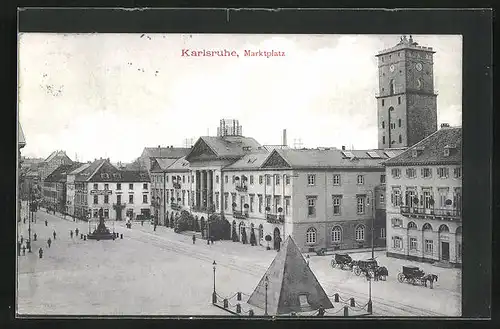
{"x": 30, "y": 215}
{"x": 266, "y": 284}
{"x": 370, "y": 306}
{"x": 214, "y": 294}
{"x": 372, "y": 221}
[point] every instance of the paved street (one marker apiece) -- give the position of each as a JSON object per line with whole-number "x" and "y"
{"x": 136, "y": 275}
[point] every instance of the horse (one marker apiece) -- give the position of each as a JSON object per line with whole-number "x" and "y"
{"x": 431, "y": 278}
{"x": 381, "y": 273}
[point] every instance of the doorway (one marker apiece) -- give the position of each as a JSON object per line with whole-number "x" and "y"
{"x": 445, "y": 251}
{"x": 277, "y": 239}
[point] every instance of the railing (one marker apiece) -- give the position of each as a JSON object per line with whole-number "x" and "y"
{"x": 275, "y": 218}
{"x": 240, "y": 214}
{"x": 452, "y": 213}
{"x": 177, "y": 185}
{"x": 175, "y": 206}
{"x": 241, "y": 188}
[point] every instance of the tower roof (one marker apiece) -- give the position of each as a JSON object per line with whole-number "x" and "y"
{"x": 289, "y": 278}
{"x": 405, "y": 43}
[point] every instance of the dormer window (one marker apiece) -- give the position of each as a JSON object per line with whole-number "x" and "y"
{"x": 414, "y": 153}
{"x": 446, "y": 152}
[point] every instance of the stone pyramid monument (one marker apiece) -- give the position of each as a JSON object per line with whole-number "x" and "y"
{"x": 292, "y": 286}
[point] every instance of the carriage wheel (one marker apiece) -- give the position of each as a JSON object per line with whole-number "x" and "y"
{"x": 372, "y": 274}
{"x": 333, "y": 263}
{"x": 401, "y": 277}
{"x": 411, "y": 281}
{"x": 357, "y": 271}
{"x": 383, "y": 277}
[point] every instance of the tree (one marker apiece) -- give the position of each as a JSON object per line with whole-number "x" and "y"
{"x": 268, "y": 238}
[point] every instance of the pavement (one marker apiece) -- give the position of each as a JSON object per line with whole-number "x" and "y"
{"x": 163, "y": 273}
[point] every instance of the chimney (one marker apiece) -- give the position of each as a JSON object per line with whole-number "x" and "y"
{"x": 284, "y": 137}
{"x": 445, "y": 125}
{"x": 343, "y": 148}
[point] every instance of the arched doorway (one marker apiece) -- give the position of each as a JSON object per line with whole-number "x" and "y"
{"x": 444, "y": 243}
{"x": 242, "y": 232}
{"x": 261, "y": 234}
{"x": 411, "y": 243}
{"x": 166, "y": 218}
{"x": 427, "y": 241}
{"x": 277, "y": 239}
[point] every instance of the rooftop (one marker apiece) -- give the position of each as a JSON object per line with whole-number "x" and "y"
{"x": 405, "y": 43}
{"x": 431, "y": 150}
{"x": 166, "y": 152}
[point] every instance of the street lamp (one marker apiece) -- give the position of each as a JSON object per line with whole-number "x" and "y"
{"x": 373, "y": 219}
{"x": 214, "y": 294}
{"x": 266, "y": 284}
{"x": 370, "y": 306}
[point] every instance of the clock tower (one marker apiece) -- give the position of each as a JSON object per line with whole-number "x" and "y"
{"x": 406, "y": 102}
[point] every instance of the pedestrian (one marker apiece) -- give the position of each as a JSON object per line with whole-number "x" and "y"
{"x": 24, "y": 220}
{"x": 142, "y": 222}
{"x": 154, "y": 229}
{"x": 194, "y": 238}
{"x": 212, "y": 239}
{"x": 40, "y": 252}
{"x": 76, "y": 231}
{"x": 54, "y": 234}
{"x": 71, "y": 234}
{"x": 22, "y": 239}
{"x": 46, "y": 223}
{"x": 49, "y": 241}
{"x": 34, "y": 237}
{"x": 307, "y": 259}
{"x": 24, "y": 250}
{"x": 28, "y": 245}
{"x": 18, "y": 248}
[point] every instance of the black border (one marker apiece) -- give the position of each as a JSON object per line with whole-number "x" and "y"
{"x": 474, "y": 25}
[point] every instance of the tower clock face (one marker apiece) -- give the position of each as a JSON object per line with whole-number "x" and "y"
{"x": 391, "y": 68}
{"x": 418, "y": 66}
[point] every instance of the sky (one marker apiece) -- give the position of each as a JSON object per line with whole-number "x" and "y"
{"x": 111, "y": 95}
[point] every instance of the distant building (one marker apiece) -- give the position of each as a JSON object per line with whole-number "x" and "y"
{"x": 144, "y": 161}
{"x": 54, "y": 160}
{"x": 100, "y": 185}
{"x": 424, "y": 199}
{"x": 55, "y": 186}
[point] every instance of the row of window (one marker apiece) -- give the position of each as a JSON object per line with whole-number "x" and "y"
{"x": 397, "y": 243}
{"x": 383, "y": 104}
{"x": 426, "y": 199}
{"x": 119, "y": 186}
{"x": 119, "y": 199}
{"x": 337, "y": 236}
{"x": 442, "y": 172}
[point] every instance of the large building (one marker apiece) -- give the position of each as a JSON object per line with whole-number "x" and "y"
{"x": 144, "y": 162}
{"x": 424, "y": 199}
{"x": 406, "y": 102}
{"x": 100, "y": 185}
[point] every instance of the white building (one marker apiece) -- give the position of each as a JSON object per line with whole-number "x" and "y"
{"x": 424, "y": 199}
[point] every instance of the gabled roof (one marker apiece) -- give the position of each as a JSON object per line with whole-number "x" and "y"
{"x": 431, "y": 149}
{"x": 87, "y": 172}
{"x": 61, "y": 172}
{"x": 289, "y": 277}
{"x": 103, "y": 171}
{"x": 227, "y": 147}
{"x": 324, "y": 158}
{"x": 57, "y": 154}
{"x": 179, "y": 165}
{"x": 166, "y": 152}
{"x": 161, "y": 164}
{"x": 250, "y": 161}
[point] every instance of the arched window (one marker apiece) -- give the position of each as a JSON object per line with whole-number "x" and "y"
{"x": 443, "y": 229}
{"x": 311, "y": 235}
{"x": 336, "y": 234}
{"x": 412, "y": 226}
{"x": 427, "y": 227}
{"x": 459, "y": 230}
{"x": 392, "y": 86}
{"x": 360, "y": 233}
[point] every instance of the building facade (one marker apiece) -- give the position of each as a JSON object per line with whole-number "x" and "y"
{"x": 54, "y": 160}
{"x": 424, "y": 199}
{"x": 55, "y": 186}
{"x": 121, "y": 194}
{"x": 406, "y": 102}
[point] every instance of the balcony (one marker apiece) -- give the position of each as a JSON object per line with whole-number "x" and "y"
{"x": 275, "y": 218}
{"x": 240, "y": 214}
{"x": 177, "y": 185}
{"x": 241, "y": 188}
{"x": 175, "y": 206}
{"x": 440, "y": 213}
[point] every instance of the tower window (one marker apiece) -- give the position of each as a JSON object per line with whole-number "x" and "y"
{"x": 399, "y": 100}
{"x": 383, "y": 139}
{"x": 392, "y": 86}
{"x": 383, "y": 124}
{"x": 400, "y": 139}
{"x": 399, "y": 122}
{"x": 383, "y": 102}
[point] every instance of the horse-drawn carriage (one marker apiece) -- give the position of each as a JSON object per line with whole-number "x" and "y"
{"x": 414, "y": 276}
{"x": 342, "y": 261}
{"x": 370, "y": 269}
